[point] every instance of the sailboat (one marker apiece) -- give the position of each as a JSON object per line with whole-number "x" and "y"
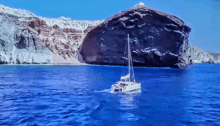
{"x": 127, "y": 83}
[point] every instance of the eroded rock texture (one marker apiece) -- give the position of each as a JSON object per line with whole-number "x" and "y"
{"x": 20, "y": 44}
{"x": 60, "y": 36}
{"x": 157, "y": 39}
{"x": 64, "y": 42}
{"x": 198, "y": 55}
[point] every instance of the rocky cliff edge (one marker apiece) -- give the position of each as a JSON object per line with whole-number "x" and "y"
{"x": 157, "y": 39}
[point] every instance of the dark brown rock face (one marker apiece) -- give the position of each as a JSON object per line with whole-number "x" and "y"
{"x": 157, "y": 39}
{"x": 63, "y": 42}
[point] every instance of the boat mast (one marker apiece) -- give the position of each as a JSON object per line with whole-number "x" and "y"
{"x": 129, "y": 60}
{"x": 130, "y": 64}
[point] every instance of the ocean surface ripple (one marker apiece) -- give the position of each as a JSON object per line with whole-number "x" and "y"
{"x": 80, "y": 95}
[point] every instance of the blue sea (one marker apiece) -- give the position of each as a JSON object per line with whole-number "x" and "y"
{"x": 32, "y": 95}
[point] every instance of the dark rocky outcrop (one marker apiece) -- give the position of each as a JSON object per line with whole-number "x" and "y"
{"x": 157, "y": 39}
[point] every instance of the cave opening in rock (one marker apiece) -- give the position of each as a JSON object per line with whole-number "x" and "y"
{"x": 21, "y": 44}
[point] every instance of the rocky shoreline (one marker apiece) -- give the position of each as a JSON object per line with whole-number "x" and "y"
{"x": 157, "y": 39}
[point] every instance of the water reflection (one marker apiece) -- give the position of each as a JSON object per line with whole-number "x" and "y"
{"x": 128, "y": 105}
{"x": 127, "y": 99}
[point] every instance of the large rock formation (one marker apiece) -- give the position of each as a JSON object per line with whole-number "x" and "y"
{"x": 19, "y": 44}
{"x": 198, "y": 55}
{"x": 62, "y": 41}
{"x": 62, "y": 36}
{"x": 157, "y": 39}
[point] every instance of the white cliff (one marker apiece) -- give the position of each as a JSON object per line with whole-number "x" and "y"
{"x": 61, "y": 37}
{"x": 21, "y": 45}
{"x": 62, "y": 22}
{"x": 201, "y": 56}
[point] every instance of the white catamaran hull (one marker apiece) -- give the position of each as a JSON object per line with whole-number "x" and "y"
{"x": 118, "y": 87}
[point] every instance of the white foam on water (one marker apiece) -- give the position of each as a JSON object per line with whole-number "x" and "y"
{"x": 105, "y": 90}
{"x": 126, "y": 93}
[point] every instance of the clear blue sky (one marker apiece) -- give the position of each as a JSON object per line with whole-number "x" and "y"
{"x": 203, "y": 16}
